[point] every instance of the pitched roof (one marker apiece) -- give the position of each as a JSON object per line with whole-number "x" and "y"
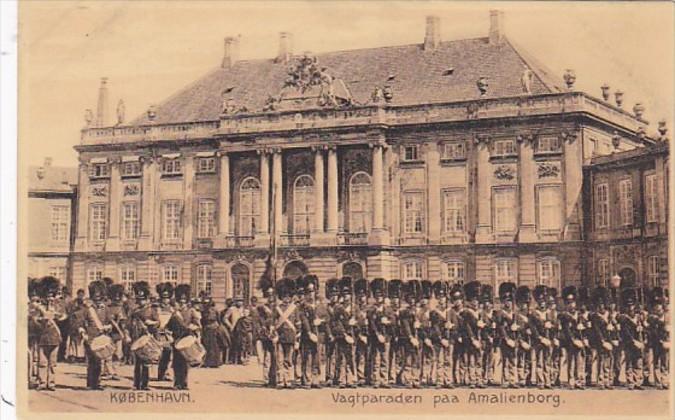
{"x": 420, "y": 77}
{"x": 51, "y": 178}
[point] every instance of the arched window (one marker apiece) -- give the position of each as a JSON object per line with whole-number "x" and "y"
{"x": 295, "y": 269}
{"x": 249, "y": 206}
{"x": 360, "y": 202}
{"x": 303, "y": 204}
{"x": 240, "y": 281}
{"x": 204, "y": 280}
{"x": 352, "y": 269}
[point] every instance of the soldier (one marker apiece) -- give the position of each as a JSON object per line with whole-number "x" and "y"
{"x": 117, "y": 319}
{"x": 76, "y": 312}
{"x": 525, "y": 351}
{"x": 540, "y": 326}
{"x": 454, "y": 326}
{"x": 267, "y": 333}
{"x": 141, "y": 322}
{"x": 659, "y": 337}
{"x": 507, "y": 327}
{"x": 470, "y": 332}
{"x": 361, "y": 360}
{"x": 343, "y": 327}
{"x": 584, "y": 311}
{"x": 309, "y": 335}
{"x": 163, "y": 313}
{"x": 427, "y": 356}
{"x": 488, "y": 331}
{"x": 614, "y": 333}
{"x": 332, "y": 295}
{"x": 553, "y": 335}
{"x": 631, "y": 338}
{"x": 394, "y": 289}
{"x": 48, "y": 313}
{"x": 322, "y": 318}
{"x": 441, "y": 370}
{"x": 599, "y": 338}
{"x": 183, "y": 322}
{"x": 379, "y": 335}
{"x": 231, "y": 319}
{"x": 287, "y": 324}
{"x": 34, "y": 332}
{"x": 96, "y": 323}
{"x": 409, "y": 345}
{"x": 571, "y": 338}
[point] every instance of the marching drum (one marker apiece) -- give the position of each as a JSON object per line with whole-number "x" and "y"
{"x": 192, "y": 350}
{"x": 102, "y": 346}
{"x": 147, "y": 349}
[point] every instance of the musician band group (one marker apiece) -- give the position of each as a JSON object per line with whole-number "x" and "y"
{"x": 374, "y": 333}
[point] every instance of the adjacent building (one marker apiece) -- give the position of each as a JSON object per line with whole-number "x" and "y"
{"x": 444, "y": 159}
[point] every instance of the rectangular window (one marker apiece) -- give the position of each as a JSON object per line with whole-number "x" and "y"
{"x": 204, "y": 279}
{"x": 504, "y": 201}
{"x": 548, "y": 144}
{"x": 601, "y": 206}
{"x": 412, "y": 270}
{"x": 455, "y": 271}
{"x": 128, "y": 276}
{"x": 453, "y": 211}
{"x": 58, "y": 272}
{"x": 413, "y": 212}
{"x": 626, "y": 201}
{"x": 651, "y": 198}
{"x": 170, "y": 274}
{"x": 172, "y": 210}
{"x": 506, "y": 269}
{"x": 454, "y": 150}
{"x": 410, "y": 153}
{"x": 94, "y": 273}
{"x": 171, "y": 167}
{"x": 206, "y": 165}
{"x": 503, "y": 148}
{"x": 206, "y": 219}
{"x": 99, "y": 170}
{"x": 549, "y": 204}
{"x": 603, "y": 272}
{"x": 98, "y": 220}
{"x": 549, "y": 272}
{"x": 653, "y": 270}
{"x": 130, "y": 220}
{"x": 60, "y": 220}
{"x": 130, "y": 169}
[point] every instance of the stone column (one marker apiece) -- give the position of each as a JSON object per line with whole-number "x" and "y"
{"x": 82, "y": 207}
{"x": 150, "y": 168}
{"x": 484, "y": 199}
{"x": 573, "y": 171}
{"x": 114, "y": 200}
{"x": 224, "y": 197}
{"x": 332, "y": 190}
{"x": 318, "y": 189}
{"x": 265, "y": 191}
{"x": 527, "y": 182}
{"x": 189, "y": 220}
{"x": 432, "y": 160}
{"x": 378, "y": 235}
{"x": 278, "y": 191}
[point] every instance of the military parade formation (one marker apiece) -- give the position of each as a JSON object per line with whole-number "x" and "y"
{"x": 357, "y": 333}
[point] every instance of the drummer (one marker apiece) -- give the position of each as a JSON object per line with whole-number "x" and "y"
{"x": 183, "y": 323}
{"x": 163, "y": 312}
{"x": 141, "y": 323}
{"x": 96, "y": 324}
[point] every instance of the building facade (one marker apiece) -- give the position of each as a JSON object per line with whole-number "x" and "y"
{"x": 453, "y": 160}
{"x": 51, "y": 211}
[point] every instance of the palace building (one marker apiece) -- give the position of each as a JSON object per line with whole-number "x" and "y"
{"x": 444, "y": 159}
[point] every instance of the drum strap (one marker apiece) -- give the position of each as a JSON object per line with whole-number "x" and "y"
{"x": 95, "y": 318}
{"x": 283, "y": 316}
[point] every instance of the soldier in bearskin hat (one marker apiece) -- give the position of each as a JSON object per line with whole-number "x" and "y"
{"x": 333, "y": 296}
{"x": 409, "y": 345}
{"x": 379, "y": 334}
{"x": 394, "y": 292}
{"x": 553, "y": 334}
{"x": 508, "y": 334}
{"x": 184, "y": 322}
{"x": 441, "y": 371}
{"x": 267, "y": 348}
{"x": 470, "y": 332}
{"x": 571, "y": 338}
{"x": 287, "y": 326}
{"x": 96, "y": 323}
{"x": 424, "y": 314}
{"x": 309, "y": 332}
{"x": 163, "y": 312}
{"x": 659, "y": 337}
{"x": 540, "y": 327}
{"x": 454, "y": 327}
{"x": 34, "y": 331}
{"x": 322, "y": 319}
{"x": 361, "y": 363}
{"x": 47, "y": 315}
{"x": 488, "y": 335}
{"x": 599, "y": 337}
{"x": 141, "y": 322}
{"x": 118, "y": 334}
{"x": 526, "y": 352}
{"x": 631, "y": 338}
{"x": 343, "y": 326}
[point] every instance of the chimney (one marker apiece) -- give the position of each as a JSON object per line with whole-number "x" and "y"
{"x": 432, "y": 35}
{"x": 231, "y": 52}
{"x": 48, "y": 162}
{"x": 496, "y": 27}
{"x": 102, "y": 106}
{"x": 285, "y": 47}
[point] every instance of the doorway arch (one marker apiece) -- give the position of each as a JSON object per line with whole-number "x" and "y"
{"x": 628, "y": 277}
{"x": 352, "y": 269}
{"x": 295, "y": 269}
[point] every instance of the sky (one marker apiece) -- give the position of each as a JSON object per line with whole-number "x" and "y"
{"x": 149, "y": 50}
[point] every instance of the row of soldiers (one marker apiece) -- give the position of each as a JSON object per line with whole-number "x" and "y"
{"x": 420, "y": 333}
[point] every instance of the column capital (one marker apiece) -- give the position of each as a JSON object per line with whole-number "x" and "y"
{"x": 318, "y": 147}
{"x": 331, "y": 147}
{"x": 275, "y": 150}
{"x": 262, "y": 151}
{"x": 221, "y": 153}
{"x": 377, "y": 144}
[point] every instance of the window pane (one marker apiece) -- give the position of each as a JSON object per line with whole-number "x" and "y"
{"x": 626, "y": 197}
{"x": 504, "y": 203}
{"x": 550, "y": 207}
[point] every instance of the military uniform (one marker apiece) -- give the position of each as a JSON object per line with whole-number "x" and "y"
{"x": 631, "y": 339}
{"x": 379, "y": 335}
{"x": 361, "y": 359}
{"x": 96, "y": 323}
{"x": 525, "y": 351}
{"x": 408, "y": 341}
{"x": 470, "y": 332}
{"x": 48, "y": 313}
{"x": 554, "y": 334}
{"x": 184, "y": 322}
{"x": 600, "y": 339}
{"x": 427, "y": 351}
{"x": 488, "y": 331}
{"x": 441, "y": 372}
{"x": 267, "y": 333}
{"x": 287, "y": 324}
{"x": 540, "y": 326}
{"x": 343, "y": 327}
{"x": 141, "y": 322}
{"x": 309, "y": 333}
{"x": 457, "y": 368}
{"x": 659, "y": 337}
{"x": 571, "y": 339}
{"x": 330, "y": 345}
{"x": 118, "y": 319}
{"x": 507, "y": 327}
{"x": 394, "y": 291}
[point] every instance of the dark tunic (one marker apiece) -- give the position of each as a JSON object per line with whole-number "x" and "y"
{"x": 213, "y": 338}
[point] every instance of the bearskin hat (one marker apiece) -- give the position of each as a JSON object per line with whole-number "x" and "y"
{"x": 656, "y": 297}
{"x": 266, "y": 286}
{"x": 472, "y": 290}
{"x": 285, "y": 287}
{"x": 361, "y": 287}
{"x": 331, "y": 287}
{"x": 394, "y": 289}
{"x": 49, "y": 286}
{"x": 540, "y": 292}
{"x": 628, "y": 296}
{"x": 378, "y": 286}
{"x": 141, "y": 290}
{"x": 523, "y": 295}
{"x": 108, "y": 284}
{"x": 300, "y": 284}
{"x": 440, "y": 288}
{"x": 486, "y": 293}
{"x": 600, "y": 296}
{"x": 182, "y": 291}
{"x": 164, "y": 290}
{"x": 346, "y": 286}
{"x": 427, "y": 290}
{"x": 115, "y": 292}
{"x": 33, "y": 287}
{"x": 413, "y": 289}
{"x": 456, "y": 292}
{"x": 552, "y": 293}
{"x": 97, "y": 290}
{"x": 507, "y": 291}
{"x": 569, "y": 293}
{"x": 311, "y": 283}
